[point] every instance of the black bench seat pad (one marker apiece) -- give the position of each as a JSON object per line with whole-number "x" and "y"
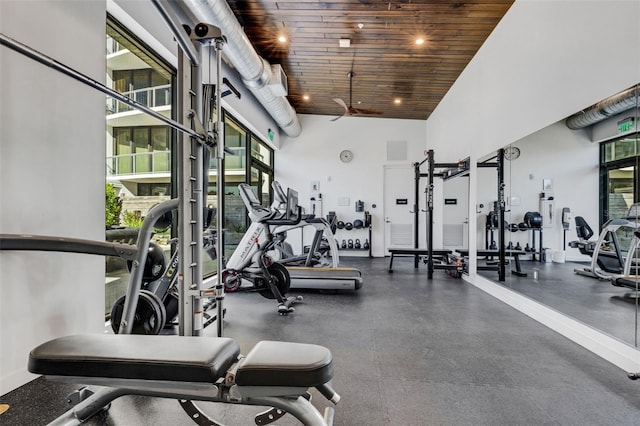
{"x": 171, "y": 358}
{"x": 285, "y": 364}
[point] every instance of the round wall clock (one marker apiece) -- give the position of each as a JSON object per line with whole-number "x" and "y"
{"x": 512, "y": 153}
{"x": 346, "y": 156}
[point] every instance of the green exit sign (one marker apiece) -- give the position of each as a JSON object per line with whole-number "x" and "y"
{"x": 626, "y": 124}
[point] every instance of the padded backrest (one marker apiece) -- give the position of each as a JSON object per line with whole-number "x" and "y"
{"x": 583, "y": 229}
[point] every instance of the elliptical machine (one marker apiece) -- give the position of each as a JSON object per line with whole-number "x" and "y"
{"x": 607, "y": 254}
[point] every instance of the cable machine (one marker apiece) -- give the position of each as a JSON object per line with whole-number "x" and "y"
{"x": 195, "y": 140}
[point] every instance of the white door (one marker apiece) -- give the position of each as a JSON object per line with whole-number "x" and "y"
{"x": 399, "y": 188}
{"x": 455, "y": 232}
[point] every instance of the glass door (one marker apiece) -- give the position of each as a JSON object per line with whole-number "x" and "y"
{"x": 620, "y": 190}
{"x": 261, "y": 183}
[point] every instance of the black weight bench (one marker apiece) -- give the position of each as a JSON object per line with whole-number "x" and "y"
{"x": 415, "y": 252}
{"x": 515, "y": 254}
{"x": 273, "y": 374}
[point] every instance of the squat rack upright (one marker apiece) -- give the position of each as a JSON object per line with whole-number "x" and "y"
{"x": 456, "y": 169}
{"x": 453, "y": 169}
{"x": 501, "y": 207}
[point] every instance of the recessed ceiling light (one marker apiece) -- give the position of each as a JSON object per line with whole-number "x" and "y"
{"x": 282, "y": 39}
{"x": 419, "y": 41}
{"x": 306, "y": 97}
{"x": 360, "y": 25}
{"x": 397, "y": 101}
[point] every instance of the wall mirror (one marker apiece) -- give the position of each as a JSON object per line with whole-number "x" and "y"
{"x": 559, "y": 183}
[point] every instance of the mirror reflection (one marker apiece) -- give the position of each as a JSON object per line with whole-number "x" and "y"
{"x": 571, "y": 216}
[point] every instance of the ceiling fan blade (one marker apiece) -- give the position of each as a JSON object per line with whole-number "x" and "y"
{"x": 341, "y": 103}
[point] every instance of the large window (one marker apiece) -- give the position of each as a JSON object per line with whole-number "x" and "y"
{"x": 619, "y": 177}
{"x": 239, "y": 168}
{"x": 139, "y": 147}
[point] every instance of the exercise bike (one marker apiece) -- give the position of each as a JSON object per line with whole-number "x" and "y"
{"x": 250, "y": 267}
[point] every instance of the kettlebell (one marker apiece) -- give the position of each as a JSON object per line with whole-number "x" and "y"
{"x": 358, "y": 245}
{"x": 344, "y": 244}
{"x": 510, "y": 245}
{"x": 350, "y": 244}
{"x": 527, "y": 248}
{"x": 366, "y": 244}
{"x": 518, "y": 246}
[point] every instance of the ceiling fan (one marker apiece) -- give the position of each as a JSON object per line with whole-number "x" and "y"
{"x": 350, "y": 110}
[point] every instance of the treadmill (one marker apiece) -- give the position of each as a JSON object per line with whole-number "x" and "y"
{"x": 308, "y": 275}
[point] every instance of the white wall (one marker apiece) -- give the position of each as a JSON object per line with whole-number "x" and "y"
{"x": 52, "y": 168}
{"x": 314, "y": 156}
{"x": 544, "y": 61}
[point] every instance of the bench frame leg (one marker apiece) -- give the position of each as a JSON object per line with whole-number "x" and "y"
{"x": 298, "y": 406}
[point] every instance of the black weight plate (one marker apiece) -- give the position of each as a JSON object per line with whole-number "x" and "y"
{"x": 150, "y": 316}
{"x": 282, "y": 281}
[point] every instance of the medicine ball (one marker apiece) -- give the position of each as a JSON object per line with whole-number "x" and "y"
{"x": 154, "y": 265}
{"x": 533, "y": 220}
{"x": 358, "y": 224}
{"x": 340, "y": 224}
{"x": 348, "y": 226}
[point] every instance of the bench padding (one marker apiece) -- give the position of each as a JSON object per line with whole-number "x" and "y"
{"x": 285, "y": 364}
{"x": 172, "y": 358}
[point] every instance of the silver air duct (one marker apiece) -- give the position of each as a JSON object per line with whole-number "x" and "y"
{"x": 614, "y": 105}
{"x": 254, "y": 70}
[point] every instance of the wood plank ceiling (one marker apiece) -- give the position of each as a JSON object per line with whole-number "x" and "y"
{"x": 383, "y": 57}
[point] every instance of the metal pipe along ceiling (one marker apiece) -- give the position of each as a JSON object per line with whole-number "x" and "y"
{"x": 254, "y": 70}
{"x": 614, "y": 105}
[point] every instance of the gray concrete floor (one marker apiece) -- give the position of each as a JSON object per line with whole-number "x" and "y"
{"x": 407, "y": 351}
